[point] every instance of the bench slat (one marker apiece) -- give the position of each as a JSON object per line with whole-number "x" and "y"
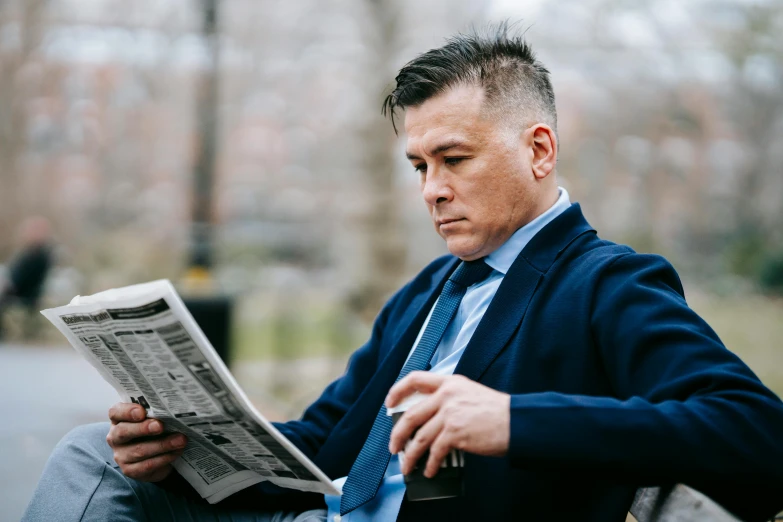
{"x": 677, "y": 504}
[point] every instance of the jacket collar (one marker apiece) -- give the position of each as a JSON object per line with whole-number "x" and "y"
{"x": 542, "y": 251}
{"x": 502, "y": 258}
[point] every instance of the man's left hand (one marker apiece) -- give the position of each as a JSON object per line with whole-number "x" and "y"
{"x": 460, "y": 414}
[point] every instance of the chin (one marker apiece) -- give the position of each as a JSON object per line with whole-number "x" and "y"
{"x": 463, "y": 249}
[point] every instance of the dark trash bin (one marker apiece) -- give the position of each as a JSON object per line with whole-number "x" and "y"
{"x": 213, "y": 315}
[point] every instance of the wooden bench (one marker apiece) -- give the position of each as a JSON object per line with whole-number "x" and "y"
{"x": 678, "y": 504}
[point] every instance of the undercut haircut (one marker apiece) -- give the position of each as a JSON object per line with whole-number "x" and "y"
{"x": 517, "y": 88}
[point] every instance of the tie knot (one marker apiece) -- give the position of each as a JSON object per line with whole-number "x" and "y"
{"x": 471, "y": 272}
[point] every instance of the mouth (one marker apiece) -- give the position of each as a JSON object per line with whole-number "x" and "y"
{"x": 445, "y": 222}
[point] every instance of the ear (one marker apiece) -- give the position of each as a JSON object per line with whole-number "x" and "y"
{"x": 543, "y": 144}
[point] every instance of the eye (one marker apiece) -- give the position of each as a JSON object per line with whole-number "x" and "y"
{"x": 453, "y": 161}
{"x": 421, "y": 167}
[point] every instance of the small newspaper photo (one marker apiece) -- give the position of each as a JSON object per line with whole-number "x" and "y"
{"x": 145, "y": 343}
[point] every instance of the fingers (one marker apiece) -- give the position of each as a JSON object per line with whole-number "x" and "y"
{"x": 126, "y": 412}
{"x": 439, "y": 450}
{"x": 150, "y": 460}
{"x": 148, "y": 449}
{"x": 410, "y": 420}
{"x": 138, "y": 450}
{"x": 125, "y": 432}
{"x": 153, "y": 469}
{"x": 424, "y": 382}
{"x": 420, "y": 443}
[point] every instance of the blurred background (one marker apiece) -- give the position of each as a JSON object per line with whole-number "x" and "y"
{"x": 237, "y": 148}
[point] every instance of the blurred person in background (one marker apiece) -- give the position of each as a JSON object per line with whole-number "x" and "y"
{"x": 28, "y": 269}
{"x": 569, "y": 369}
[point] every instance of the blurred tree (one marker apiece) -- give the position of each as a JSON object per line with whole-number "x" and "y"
{"x": 23, "y": 23}
{"x": 382, "y": 231}
{"x": 754, "y": 106}
{"x": 202, "y": 255}
{"x": 680, "y": 106}
{"x": 771, "y": 273}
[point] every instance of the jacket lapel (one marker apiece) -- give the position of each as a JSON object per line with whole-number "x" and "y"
{"x": 508, "y": 307}
{"x": 501, "y": 319}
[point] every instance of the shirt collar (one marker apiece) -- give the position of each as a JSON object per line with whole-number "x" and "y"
{"x": 502, "y": 258}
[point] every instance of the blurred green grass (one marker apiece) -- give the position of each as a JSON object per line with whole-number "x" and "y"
{"x": 298, "y": 334}
{"x": 751, "y": 326}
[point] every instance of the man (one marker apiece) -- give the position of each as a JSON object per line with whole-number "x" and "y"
{"x": 569, "y": 369}
{"x": 28, "y": 270}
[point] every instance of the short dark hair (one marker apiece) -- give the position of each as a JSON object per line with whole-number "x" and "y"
{"x": 497, "y": 59}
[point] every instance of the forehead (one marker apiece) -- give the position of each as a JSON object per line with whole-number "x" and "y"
{"x": 456, "y": 111}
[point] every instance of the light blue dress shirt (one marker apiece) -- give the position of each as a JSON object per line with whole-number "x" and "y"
{"x": 386, "y": 504}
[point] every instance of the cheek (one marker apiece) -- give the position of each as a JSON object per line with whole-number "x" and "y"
{"x": 486, "y": 202}
{"x": 495, "y": 209}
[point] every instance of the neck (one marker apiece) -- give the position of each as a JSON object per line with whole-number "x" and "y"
{"x": 544, "y": 202}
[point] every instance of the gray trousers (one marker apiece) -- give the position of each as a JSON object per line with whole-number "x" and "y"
{"x": 82, "y": 482}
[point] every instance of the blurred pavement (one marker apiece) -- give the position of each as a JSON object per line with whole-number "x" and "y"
{"x": 46, "y": 391}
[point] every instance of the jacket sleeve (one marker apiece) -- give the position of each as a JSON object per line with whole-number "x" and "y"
{"x": 685, "y": 408}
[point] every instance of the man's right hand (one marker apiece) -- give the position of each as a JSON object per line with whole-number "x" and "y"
{"x": 140, "y": 449}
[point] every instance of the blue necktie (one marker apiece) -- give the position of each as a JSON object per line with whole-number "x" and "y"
{"x": 367, "y": 471}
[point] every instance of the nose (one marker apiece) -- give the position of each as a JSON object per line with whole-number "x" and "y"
{"x": 435, "y": 189}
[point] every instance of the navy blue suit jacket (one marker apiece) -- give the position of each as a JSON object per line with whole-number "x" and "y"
{"x": 615, "y": 382}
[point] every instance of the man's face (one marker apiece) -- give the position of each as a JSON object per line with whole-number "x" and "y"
{"x": 476, "y": 175}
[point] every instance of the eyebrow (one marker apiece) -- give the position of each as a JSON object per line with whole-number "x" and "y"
{"x": 443, "y": 147}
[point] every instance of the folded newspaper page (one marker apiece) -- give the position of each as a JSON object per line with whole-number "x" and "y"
{"x": 145, "y": 343}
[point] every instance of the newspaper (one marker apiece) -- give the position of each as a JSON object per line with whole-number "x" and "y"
{"x": 145, "y": 343}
